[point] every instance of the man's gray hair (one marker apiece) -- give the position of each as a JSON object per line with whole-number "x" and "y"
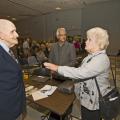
{"x": 58, "y": 31}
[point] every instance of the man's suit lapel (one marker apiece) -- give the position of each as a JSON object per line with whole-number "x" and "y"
{"x": 8, "y": 57}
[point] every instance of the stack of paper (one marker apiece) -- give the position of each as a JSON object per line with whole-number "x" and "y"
{"x": 48, "y": 89}
{"x": 38, "y": 95}
{"x": 30, "y": 89}
{"x": 43, "y": 92}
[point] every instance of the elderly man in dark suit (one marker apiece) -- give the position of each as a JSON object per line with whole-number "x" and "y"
{"x": 12, "y": 93}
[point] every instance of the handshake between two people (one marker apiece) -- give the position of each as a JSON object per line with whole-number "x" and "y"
{"x": 51, "y": 66}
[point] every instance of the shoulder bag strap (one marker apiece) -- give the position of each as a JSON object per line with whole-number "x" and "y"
{"x": 100, "y": 95}
{"x": 113, "y": 77}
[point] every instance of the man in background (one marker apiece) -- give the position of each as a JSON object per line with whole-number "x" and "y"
{"x": 12, "y": 94}
{"x": 62, "y": 52}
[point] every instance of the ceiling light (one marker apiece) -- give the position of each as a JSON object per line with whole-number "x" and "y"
{"x": 58, "y": 8}
{"x": 14, "y": 19}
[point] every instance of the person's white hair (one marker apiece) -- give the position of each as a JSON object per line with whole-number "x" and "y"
{"x": 58, "y": 31}
{"x": 100, "y": 35}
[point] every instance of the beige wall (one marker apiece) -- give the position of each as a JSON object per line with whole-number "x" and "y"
{"x": 105, "y": 15}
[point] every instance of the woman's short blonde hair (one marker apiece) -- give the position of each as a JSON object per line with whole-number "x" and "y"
{"x": 100, "y": 35}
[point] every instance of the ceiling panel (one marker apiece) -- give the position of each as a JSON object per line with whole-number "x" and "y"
{"x": 21, "y": 9}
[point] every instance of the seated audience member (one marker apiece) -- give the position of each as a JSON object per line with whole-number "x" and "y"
{"x": 26, "y": 46}
{"x": 118, "y": 54}
{"x": 95, "y": 64}
{"x": 32, "y": 59}
{"x": 44, "y": 49}
{"x": 77, "y": 45}
{"x": 40, "y": 56}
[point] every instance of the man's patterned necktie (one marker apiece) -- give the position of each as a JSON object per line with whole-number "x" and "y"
{"x": 12, "y": 55}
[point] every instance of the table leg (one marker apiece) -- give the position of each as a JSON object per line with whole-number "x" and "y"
{"x": 60, "y": 117}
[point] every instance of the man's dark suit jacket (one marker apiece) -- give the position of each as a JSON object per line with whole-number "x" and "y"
{"x": 12, "y": 93}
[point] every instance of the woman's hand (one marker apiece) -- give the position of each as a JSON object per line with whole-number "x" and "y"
{"x": 51, "y": 66}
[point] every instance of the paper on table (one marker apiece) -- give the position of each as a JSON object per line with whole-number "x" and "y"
{"x": 43, "y": 92}
{"x": 41, "y": 76}
{"x": 38, "y": 95}
{"x": 50, "y": 92}
{"x": 29, "y": 88}
{"x": 31, "y": 91}
{"x": 48, "y": 89}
